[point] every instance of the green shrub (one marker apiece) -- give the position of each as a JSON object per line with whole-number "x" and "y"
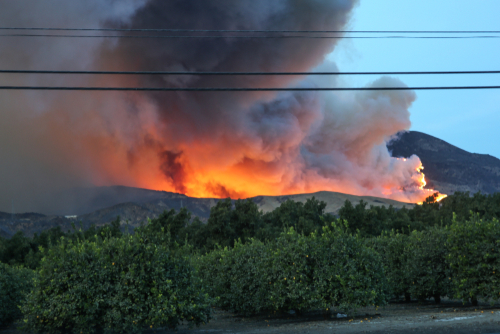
{"x": 289, "y": 273}
{"x": 15, "y": 284}
{"x": 427, "y": 264}
{"x": 122, "y": 284}
{"x": 474, "y": 258}
{"x": 295, "y": 272}
{"x": 255, "y": 277}
{"x": 234, "y": 277}
{"x": 347, "y": 274}
{"x": 393, "y": 250}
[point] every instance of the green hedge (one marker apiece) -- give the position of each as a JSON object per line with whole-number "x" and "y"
{"x": 347, "y": 273}
{"x": 295, "y": 272}
{"x": 427, "y": 267}
{"x": 234, "y": 277}
{"x": 15, "y": 284}
{"x": 474, "y": 258}
{"x": 415, "y": 264}
{"x": 461, "y": 261}
{"x": 394, "y": 252}
{"x": 288, "y": 273}
{"x": 116, "y": 285}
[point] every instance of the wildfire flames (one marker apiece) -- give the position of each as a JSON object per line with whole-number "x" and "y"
{"x": 249, "y": 179}
{"x": 438, "y": 196}
{"x": 421, "y": 183}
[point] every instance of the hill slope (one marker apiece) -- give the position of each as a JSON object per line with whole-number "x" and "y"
{"x": 149, "y": 204}
{"x": 448, "y": 168}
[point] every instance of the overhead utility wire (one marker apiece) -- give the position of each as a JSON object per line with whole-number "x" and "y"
{"x": 162, "y": 89}
{"x": 267, "y": 31}
{"x": 250, "y": 37}
{"x": 241, "y": 73}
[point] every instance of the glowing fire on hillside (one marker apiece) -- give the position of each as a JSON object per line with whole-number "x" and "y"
{"x": 422, "y": 183}
{"x": 438, "y": 196}
{"x": 249, "y": 179}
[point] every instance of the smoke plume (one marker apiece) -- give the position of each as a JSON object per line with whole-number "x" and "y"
{"x": 236, "y": 144}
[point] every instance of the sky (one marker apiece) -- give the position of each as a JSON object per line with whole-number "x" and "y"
{"x": 467, "y": 119}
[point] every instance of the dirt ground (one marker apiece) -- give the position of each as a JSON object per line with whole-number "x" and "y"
{"x": 448, "y": 317}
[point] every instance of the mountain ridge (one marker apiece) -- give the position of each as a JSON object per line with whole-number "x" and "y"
{"x": 448, "y": 168}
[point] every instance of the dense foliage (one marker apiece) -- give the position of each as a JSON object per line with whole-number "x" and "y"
{"x": 394, "y": 250}
{"x": 474, "y": 257}
{"x": 241, "y": 219}
{"x": 346, "y": 272}
{"x": 375, "y": 221}
{"x": 22, "y": 250}
{"x": 428, "y": 270}
{"x": 292, "y": 258}
{"x": 113, "y": 284}
{"x": 15, "y": 283}
{"x": 295, "y": 272}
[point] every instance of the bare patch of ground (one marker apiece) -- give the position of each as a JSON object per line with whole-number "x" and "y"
{"x": 449, "y": 317}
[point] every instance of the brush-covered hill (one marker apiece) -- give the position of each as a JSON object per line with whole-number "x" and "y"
{"x": 448, "y": 168}
{"x": 135, "y": 206}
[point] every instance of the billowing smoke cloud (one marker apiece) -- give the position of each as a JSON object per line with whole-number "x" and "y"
{"x": 234, "y": 144}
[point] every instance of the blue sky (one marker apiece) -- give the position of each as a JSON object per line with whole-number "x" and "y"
{"x": 467, "y": 119}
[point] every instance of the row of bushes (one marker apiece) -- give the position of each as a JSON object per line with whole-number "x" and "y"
{"x": 457, "y": 261}
{"x": 338, "y": 269}
{"x": 295, "y": 272}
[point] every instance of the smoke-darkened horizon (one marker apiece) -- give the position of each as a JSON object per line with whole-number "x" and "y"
{"x": 204, "y": 144}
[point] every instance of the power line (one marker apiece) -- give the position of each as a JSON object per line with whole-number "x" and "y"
{"x": 264, "y": 31}
{"x": 224, "y": 89}
{"x": 250, "y": 37}
{"x": 243, "y": 73}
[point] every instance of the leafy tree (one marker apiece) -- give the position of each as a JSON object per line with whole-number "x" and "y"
{"x": 305, "y": 218}
{"x": 15, "y": 249}
{"x": 194, "y": 234}
{"x": 228, "y": 223}
{"x": 355, "y": 215}
{"x": 427, "y": 213}
{"x": 246, "y": 219}
{"x": 219, "y": 229}
{"x": 109, "y": 230}
{"x": 376, "y": 219}
{"x": 169, "y": 221}
{"x": 22, "y": 250}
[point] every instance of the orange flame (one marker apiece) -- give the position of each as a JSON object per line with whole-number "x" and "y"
{"x": 248, "y": 179}
{"x": 437, "y": 195}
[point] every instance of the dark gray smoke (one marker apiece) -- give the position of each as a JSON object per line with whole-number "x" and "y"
{"x": 201, "y": 144}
